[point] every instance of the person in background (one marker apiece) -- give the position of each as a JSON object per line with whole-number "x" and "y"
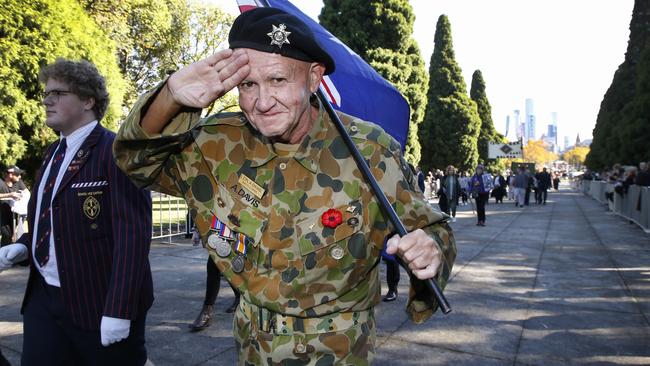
{"x": 9, "y": 193}
{"x": 556, "y": 181}
{"x": 449, "y": 192}
{"x": 520, "y": 184}
{"x": 530, "y": 187}
{"x": 543, "y": 185}
{"x": 481, "y": 185}
{"x": 464, "y": 187}
{"x": 212, "y": 286}
{"x": 500, "y": 185}
{"x": 511, "y": 185}
{"x": 643, "y": 176}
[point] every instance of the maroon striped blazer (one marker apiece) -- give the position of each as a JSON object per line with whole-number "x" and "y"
{"x": 102, "y": 235}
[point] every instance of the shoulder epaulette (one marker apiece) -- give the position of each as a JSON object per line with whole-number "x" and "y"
{"x": 363, "y": 130}
{"x": 224, "y": 118}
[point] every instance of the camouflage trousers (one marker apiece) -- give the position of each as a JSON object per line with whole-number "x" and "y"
{"x": 265, "y": 338}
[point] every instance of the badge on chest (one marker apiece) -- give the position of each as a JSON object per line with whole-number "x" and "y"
{"x": 248, "y": 191}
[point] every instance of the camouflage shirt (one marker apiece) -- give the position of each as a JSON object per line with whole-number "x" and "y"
{"x": 276, "y": 195}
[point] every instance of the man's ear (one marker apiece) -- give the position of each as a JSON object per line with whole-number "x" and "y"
{"x": 89, "y": 103}
{"x": 316, "y": 72}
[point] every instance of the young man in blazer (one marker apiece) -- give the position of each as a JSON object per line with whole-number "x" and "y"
{"x": 90, "y": 284}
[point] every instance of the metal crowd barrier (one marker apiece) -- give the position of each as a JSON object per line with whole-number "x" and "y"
{"x": 169, "y": 217}
{"x": 633, "y": 205}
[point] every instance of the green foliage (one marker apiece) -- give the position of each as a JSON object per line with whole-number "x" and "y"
{"x": 621, "y": 134}
{"x": 366, "y": 25}
{"x": 33, "y": 34}
{"x": 449, "y": 132}
{"x": 380, "y": 32}
{"x": 156, "y": 37}
{"x": 148, "y": 35}
{"x": 487, "y": 133}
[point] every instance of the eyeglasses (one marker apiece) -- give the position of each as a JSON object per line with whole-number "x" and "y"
{"x": 54, "y": 94}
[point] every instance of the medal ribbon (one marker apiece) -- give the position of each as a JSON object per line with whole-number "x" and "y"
{"x": 221, "y": 229}
{"x": 241, "y": 244}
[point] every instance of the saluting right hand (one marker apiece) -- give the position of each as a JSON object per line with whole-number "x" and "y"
{"x": 199, "y": 84}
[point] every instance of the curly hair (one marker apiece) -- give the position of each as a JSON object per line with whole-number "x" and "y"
{"x": 84, "y": 80}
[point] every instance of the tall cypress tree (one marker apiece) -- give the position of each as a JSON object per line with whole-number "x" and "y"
{"x": 380, "y": 32}
{"x": 487, "y": 133}
{"x": 622, "y": 123}
{"x": 450, "y": 129}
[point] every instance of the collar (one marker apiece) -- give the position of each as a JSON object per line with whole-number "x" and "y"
{"x": 80, "y": 134}
{"x": 308, "y": 154}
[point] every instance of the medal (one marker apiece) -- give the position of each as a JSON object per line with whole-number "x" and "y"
{"x": 223, "y": 248}
{"x": 237, "y": 263}
{"x": 212, "y": 241}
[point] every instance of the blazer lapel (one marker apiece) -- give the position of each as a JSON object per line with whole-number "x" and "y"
{"x": 81, "y": 156}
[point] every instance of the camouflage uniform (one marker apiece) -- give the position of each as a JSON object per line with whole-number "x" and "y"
{"x": 307, "y": 290}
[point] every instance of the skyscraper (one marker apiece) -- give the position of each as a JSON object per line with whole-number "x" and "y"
{"x": 520, "y": 131}
{"x": 530, "y": 120}
{"x": 566, "y": 142}
{"x": 551, "y": 134}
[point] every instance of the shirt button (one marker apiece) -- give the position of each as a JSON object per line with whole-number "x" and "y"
{"x": 354, "y": 129}
{"x": 283, "y": 166}
{"x": 220, "y": 202}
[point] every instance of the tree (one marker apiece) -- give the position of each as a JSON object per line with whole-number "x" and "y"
{"x": 576, "y": 156}
{"x": 487, "y": 133}
{"x": 33, "y": 34}
{"x": 207, "y": 32}
{"x": 621, "y": 134}
{"x": 148, "y": 35}
{"x": 380, "y": 32}
{"x": 449, "y": 132}
{"x": 536, "y": 151}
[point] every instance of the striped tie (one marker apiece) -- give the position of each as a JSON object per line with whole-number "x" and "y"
{"x": 42, "y": 252}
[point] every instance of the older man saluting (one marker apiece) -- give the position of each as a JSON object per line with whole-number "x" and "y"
{"x": 277, "y": 197}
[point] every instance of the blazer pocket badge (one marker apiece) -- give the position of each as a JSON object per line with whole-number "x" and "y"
{"x": 91, "y": 207}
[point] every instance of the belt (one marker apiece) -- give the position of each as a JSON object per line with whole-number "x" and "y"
{"x": 262, "y": 319}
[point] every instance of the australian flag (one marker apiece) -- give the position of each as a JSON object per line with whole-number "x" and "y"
{"x": 354, "y": 88}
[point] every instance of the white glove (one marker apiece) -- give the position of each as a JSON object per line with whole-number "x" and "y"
{"x": 12, "y": 254}
{"x": 114, "y": 330}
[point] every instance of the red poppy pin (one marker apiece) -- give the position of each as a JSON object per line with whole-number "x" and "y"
{"x": 332, "y": 218}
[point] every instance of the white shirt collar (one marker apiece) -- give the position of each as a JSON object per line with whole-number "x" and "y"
{"x": 80, "y": 134}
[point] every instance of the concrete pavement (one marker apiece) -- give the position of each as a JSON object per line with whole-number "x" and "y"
{"x": 562, "y": 284}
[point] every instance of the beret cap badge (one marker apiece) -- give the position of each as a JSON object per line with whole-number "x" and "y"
{"x": 279, "y": 35}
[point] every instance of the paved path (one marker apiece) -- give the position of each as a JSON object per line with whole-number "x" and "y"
{"x": 561, "y": 284}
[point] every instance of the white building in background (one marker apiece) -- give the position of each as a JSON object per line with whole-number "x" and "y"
{"x": 566, "y": 143}
{"x": 530, "y": 121}
{"x": 551, "y": 133}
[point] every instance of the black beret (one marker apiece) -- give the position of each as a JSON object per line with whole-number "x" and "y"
{"x": 275, "y": 31}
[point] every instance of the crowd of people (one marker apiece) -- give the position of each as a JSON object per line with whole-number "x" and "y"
{"x": 621, "y": 177}
{"x": 453, "y": 188}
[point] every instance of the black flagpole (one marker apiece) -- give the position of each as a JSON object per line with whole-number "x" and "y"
{"x": 430, "y": 284}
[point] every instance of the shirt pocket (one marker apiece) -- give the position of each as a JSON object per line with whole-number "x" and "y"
{"x": 332, "y": 255}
